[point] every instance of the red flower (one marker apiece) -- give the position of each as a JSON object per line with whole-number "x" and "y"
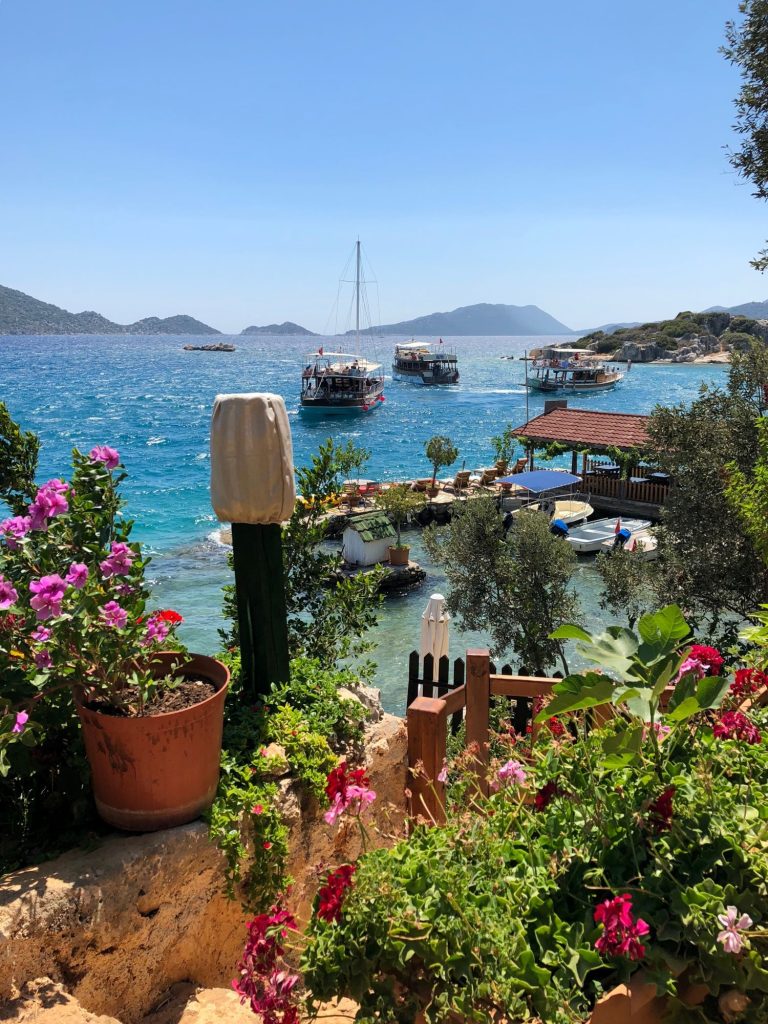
{"x": 257, "y": 808}
{"x": 748, "y": 681}
{"x": 330, "y": 897}
{"x": 546, "y": 795}
{"x": 267, "y": 845}
{"x": 660, "y": 811}
{"x": 341, "y": 778}
{"x": 708, "y": 656}
{"x": 621, "y": 932}
{"x": 168, "y": 615}
{"x": 260, "y": 981}
{"x": 733, "y": 725}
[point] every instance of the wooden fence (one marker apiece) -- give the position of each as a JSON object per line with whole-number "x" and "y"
{"x": 427, "y": 719}
{"x": 647, "y": 492}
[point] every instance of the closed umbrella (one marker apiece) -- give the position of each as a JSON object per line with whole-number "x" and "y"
{"x": 434, "y": 628}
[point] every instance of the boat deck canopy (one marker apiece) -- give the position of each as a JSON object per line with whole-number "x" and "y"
{"x": 539, "y": 481}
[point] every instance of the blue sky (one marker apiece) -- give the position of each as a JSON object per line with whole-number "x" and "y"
{"x": 219, "y": 157}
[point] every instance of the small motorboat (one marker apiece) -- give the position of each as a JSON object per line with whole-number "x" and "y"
{"x": 644, "y": 543}
{"x": 591, "y": 536}
{"x": 572, "y": 511}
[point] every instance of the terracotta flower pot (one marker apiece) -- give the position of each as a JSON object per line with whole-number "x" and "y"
{"x": 162, "y": 770}
{"x": 399, "y": 556}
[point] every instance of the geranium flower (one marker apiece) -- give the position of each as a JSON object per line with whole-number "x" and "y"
{"x": 168, "y": 615}
{"x": 733, "y": 725}
{"x": 8, "y": 594}
{"x": 729, "y": 937}
{"x": 269, "y": 991}
{"x": 113, "y": 615}
{"x": 14, "y": 530}
{"x": 345, "y": 789}
{"x": 330, "y": 898}
{"x": 660, "y": 811}
{"x": 77, "y": 575}
{"x": 747, "y": 681}
{"x": 103, "y": 453}
{"x": 546, "y": 795}
{"x": 621, "y": 932}
{"x": 708, "y": 656}
{"x": 512, "y": 772}
{"x": 48, "y": 595}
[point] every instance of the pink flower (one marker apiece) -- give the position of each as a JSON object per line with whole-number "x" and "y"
{"x": 269, "y": 990}
{"x": 733, "y": 924}
{"x": 345, "y": 789}
{"x": 49, "y": 502}
{"x": 42, "y": 634}
{"x": 119, "y": 561}
{"x": 77, "y": 575}
{"x": 43, "y": 659}
{"x": 125, "y": 590}
{"x": 14, "y": 530}
{"x": 257, "y": 809}
{"x": 621, "y": 932}
{"x": 156, "y": 632}
{"x": 708, "y": 656}
{"x": 113, "y": 615}
{"x": 8, "y": 594}
{"x": 21, "y": 722}
{"x": 512, "y": 772}
{"x": 48, "y": 591}
{"x": 103, "y": 453}
{"x": 442, "y": 775}
{"x": 733, "y": 725}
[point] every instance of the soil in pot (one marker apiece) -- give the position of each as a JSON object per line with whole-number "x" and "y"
{"x": 173, "y": 698}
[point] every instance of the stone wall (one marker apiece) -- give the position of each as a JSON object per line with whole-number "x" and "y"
{"x": 117, "y": 926}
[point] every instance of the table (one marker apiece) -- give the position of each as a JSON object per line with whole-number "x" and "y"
{"x": 606, "y": 469}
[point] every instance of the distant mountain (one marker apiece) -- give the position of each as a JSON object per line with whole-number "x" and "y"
{"x": 483, "y": 319}
{"x": 609, "y": 328}
{"x": 22, "y": 314}
{"x": 754, "y": 310}
{"x": 285, "y": 328}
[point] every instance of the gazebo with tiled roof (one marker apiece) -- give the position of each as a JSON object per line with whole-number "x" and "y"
{"x": 582, "y": 428}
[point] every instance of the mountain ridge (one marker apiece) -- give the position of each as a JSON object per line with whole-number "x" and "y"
{"x": 482, "y": 319}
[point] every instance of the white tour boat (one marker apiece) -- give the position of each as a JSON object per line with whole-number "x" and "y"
{"x": 425, "y": 363}
{"x": 570, "y": 369}
{"x": 591, "y": 536}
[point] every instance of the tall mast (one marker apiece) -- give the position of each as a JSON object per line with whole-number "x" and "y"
{"x": 357, "y": 302}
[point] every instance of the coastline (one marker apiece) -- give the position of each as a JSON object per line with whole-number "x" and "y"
{"x": 723, "y": 358}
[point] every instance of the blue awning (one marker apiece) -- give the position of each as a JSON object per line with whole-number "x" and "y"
{"x": 537, "y": 481}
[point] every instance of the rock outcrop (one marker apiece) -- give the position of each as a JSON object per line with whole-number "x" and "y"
{"x": 115, "y": 928}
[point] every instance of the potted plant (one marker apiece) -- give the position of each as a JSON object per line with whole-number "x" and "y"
{"x": 398, "y": 502}
{"x": 76, "y": 637}
{"x": 440, "y": 451}
{"x": 503, "y": 445}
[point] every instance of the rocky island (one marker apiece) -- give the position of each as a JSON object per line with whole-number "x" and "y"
{"x": 219, "y": 346}
{"x": 285, "y": 328}
{"x": 689, "y": 337}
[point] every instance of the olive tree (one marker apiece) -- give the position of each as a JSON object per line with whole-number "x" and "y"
{"x": 440, "y": 451}
{"x": 516, "y": 586}
{"x": 399, "y": 501}
{"x": 627, "y": 584}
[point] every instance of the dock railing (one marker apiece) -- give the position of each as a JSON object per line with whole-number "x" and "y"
{"x": 428, "y": 722}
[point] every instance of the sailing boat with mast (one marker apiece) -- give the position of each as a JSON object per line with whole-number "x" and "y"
{"x": 335, "y": 383}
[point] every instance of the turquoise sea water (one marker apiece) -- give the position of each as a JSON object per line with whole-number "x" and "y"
{"x": 152, "y": 401}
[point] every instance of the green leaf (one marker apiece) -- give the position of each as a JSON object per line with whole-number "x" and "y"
{"x": 599, "y": 692}
{"x": 571, "y": 632}
{"x": 663, "y": 630}
{"x": 709, "y": 693}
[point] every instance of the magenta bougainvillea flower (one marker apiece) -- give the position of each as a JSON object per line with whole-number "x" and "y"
{"x": 21, "y": 722}
{"x": 103, "y": 453}
{"x": 119, "y": 561}
{"x": 730, "y": 937}
{"x": 113, "y": 615}
{"x": 77, "y": 575}
{"x": 621, "y": 931}
{"x": 48, "y": 595}
{"x": 8, "y": 594}
{"x": 15, "y": 530}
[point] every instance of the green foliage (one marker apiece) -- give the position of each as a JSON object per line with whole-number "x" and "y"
{"x": 747, "y": 48}
{"x": 707, "y": 561}
{"x": 399, "y": 502}
{"x": 314, "y": 691}
{"x": 504, "y": 444}
{"x": 309, "y": 754}
{"x": 491, "y": 916}
{"x": 440, "y": 451}
{"x": 627, "y": 580}
{"x": 18, "y": 463}
{"x": 517, "y": 586}
{"x": 747, "y": 493}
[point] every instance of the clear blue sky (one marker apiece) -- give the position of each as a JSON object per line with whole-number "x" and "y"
{"x": 219, "y": 157}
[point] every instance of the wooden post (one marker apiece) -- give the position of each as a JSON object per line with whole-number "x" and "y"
{"x": 427, "y": 727}
{"x": 574, "y": 457}
{"x": 478, "y": 705}
{"x": 257, "y": 553}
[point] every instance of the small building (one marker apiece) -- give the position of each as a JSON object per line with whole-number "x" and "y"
{"x": 367, "y": 538}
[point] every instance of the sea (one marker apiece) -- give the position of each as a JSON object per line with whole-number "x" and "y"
{"x": 150, "y": 399}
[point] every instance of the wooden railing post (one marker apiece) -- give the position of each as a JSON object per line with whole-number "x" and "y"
{"x": 478, "y": 707}
{"x": 427, "y": 721}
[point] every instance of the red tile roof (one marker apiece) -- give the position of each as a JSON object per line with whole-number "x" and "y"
{"x": 581, "y": 427}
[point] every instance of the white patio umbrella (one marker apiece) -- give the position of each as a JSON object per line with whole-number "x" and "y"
{"x": 434, "y": 629}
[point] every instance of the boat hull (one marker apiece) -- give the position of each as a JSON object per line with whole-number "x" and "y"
{"x": 325, "y": 407}
{"x": 550, "y": 386}
{"x": 589, "y": 538}
{"x": 425, "y": 378}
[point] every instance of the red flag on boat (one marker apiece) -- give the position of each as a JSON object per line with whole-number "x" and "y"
{"x": 617, "y": 528}
{"x": 320, "y": 350}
